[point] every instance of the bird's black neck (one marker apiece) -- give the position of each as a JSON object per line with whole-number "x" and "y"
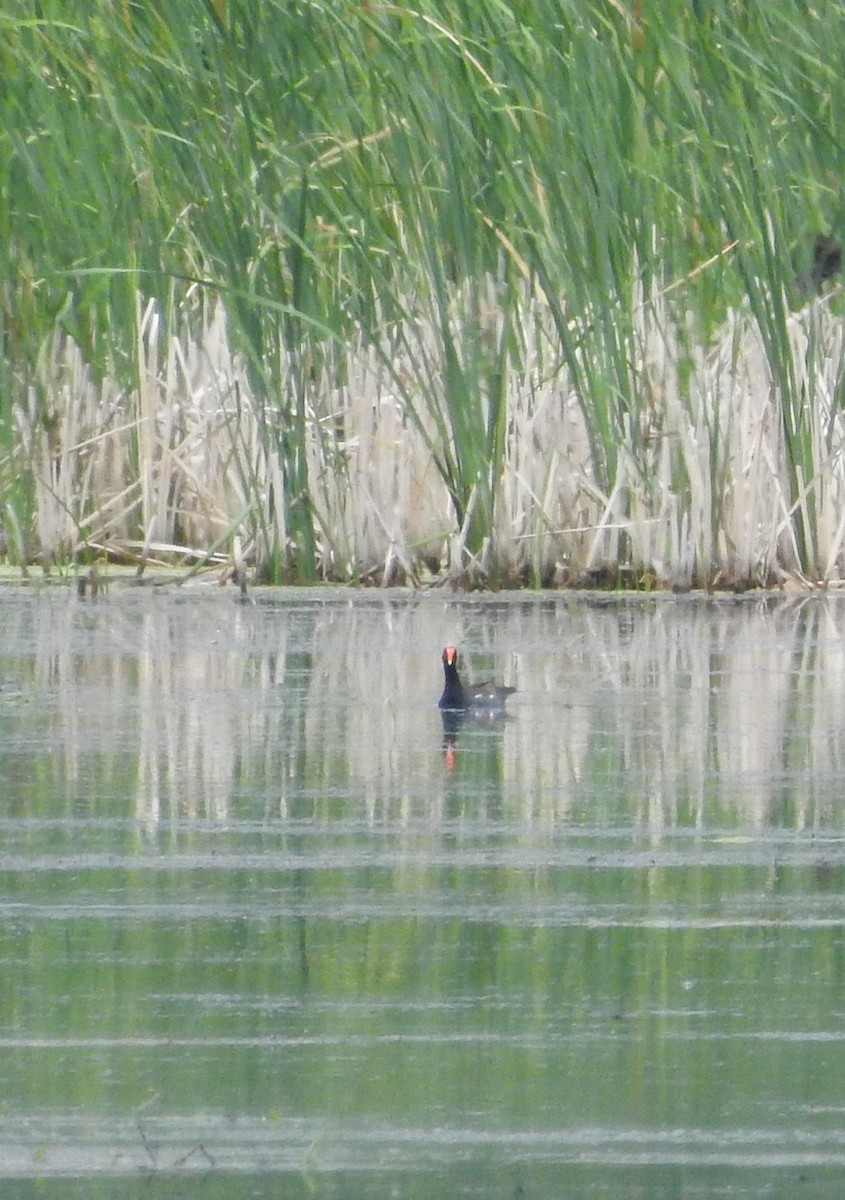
{"x": 454, "y": 694}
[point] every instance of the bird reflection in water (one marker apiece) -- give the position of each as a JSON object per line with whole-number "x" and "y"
{"x": 457, "y": 720}
{"x": 452, "y": 719}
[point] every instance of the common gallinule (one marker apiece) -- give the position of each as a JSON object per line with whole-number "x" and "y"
{"x": 827, "y": 262}
{"x": 488, "y": 698}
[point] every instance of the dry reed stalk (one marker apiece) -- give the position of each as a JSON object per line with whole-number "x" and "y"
{"x": 700, "y": 488}
{"x": 816, "y": 337}
{"x": 378, "y": 491}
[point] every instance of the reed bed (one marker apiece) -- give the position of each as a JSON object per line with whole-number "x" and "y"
{"x": 379, "y": 292}
{"x": 700, "y": 497}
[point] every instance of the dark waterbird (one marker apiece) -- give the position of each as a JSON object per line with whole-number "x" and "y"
{"x": 480, "y": 698}
{"x": 827, "y": 262}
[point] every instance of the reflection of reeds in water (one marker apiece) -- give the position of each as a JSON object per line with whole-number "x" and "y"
{"x": 695, "y": 714}
{"x": 655, "y": 715}
{"x": 701, "y": 491}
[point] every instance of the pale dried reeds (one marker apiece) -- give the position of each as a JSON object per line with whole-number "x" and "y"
{"x": 181, "y": 465}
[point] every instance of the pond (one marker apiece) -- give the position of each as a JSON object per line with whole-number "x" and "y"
{"x": 267, "y": 929}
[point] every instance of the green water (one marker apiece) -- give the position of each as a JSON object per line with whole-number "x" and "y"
{"x": 266, "y": 930}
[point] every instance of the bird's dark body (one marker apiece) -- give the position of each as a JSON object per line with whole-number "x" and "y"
{"x": 485, "y": 697}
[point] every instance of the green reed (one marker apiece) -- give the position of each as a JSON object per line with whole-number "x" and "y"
{"x": 347, "y": 174}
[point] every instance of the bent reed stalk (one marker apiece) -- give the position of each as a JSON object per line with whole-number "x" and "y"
{"x": 385, "y": 290}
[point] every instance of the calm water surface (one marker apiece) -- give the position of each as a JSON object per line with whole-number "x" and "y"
{"x": 267, "y": 930}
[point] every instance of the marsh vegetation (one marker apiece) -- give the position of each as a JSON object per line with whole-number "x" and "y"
{"x": 539, "y": 293}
